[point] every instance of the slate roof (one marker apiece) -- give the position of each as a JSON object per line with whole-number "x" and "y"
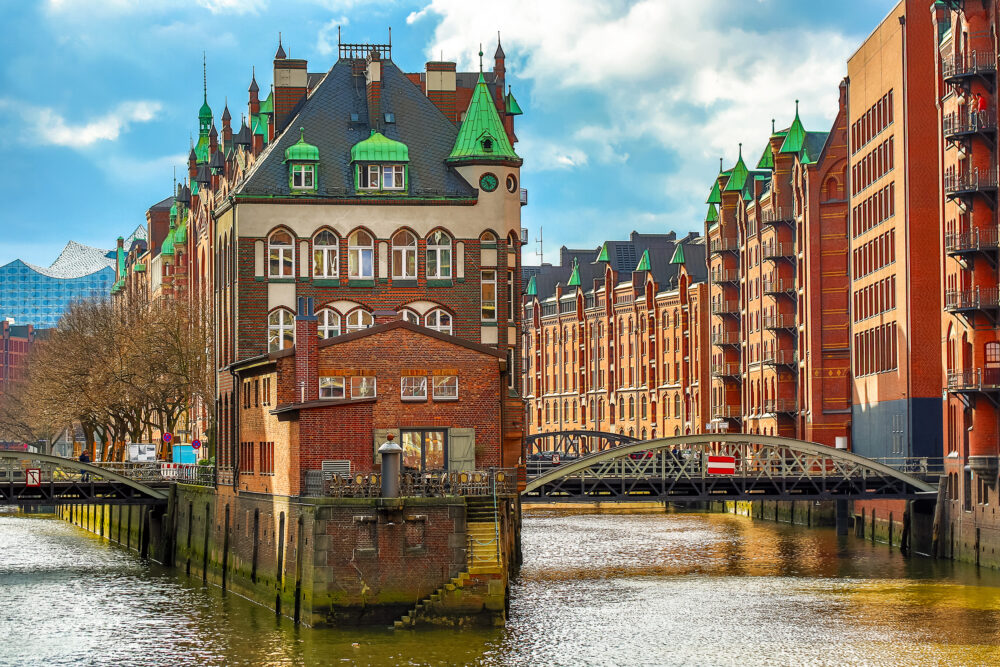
{"x": 162, "y": 205}
{"x": 326, "y": 117}
{"x": 624, "y": 257}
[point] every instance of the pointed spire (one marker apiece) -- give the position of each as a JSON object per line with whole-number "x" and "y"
{"x": 643, "y": 264}
{"x": 499, "y": 53}
{"x": 253, "y": 81}
{"x": 795, "y": 139}
{"x": 738, "y": 177}
{"x": 532, "y": 288}
{"x": 480, "y": 61}
{"x": 482, "y": 134}
{"x": 226, "y": 116}
{"x": 204, "y": 76}
{"x": 574, "y": 277}
{"x": 678, "y": 257}
{"x": 772, "y": 126}
{"x": 603, "y": 255}
{"x": 280, "y": 53}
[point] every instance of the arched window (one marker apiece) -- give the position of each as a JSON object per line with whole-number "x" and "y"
{"x": 600, "y": 410}
{"x": 677, "y": 431}
{"x": 280, "y": 330}
{"x": 642, "y": 407}
{"x": 643, "y": 434}
{"x": 439, "y": 255}
{"x": 360, "y": 251}
{"x": 439, "y": 320}
{"x": 631, "y": 407}
{"x": 565, "y": 410}
{"x": 325, "y": 255}
{"x": 548, "y": 412}
{"x": 404, "y": 255}
{"x": 652, "y": 410}
{"x": 358, "y": 320}
{"x": 488, "y": 237}
{"x": 410, "y": 316}
{"x": 281, "y": 255}
{"x": 677, "y": 406}
{"x": 329, "y": 323}
{"x": 621, "y": 408}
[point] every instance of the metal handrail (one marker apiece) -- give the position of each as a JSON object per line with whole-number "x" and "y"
{"x": 726, "y": 276}
{"x": 779, "y": 286}
{"x": 972, "y": 181}
{"x": 974, "y": 379}
{"x": 982, "y": 238}
{"x": 727, "y": 412}
{"x": 727, "y": 338}
{"x": 729, "y": 369}
{"x": 778, "y": 214}
{"x": 781, "y": 357}
{"x": 975, "y": 62}
{"x": 968, "y": 122}
{"x": 725, "y": 307}
{"x": 780, "y": 321}
{"x": 724, "y": 245}
{"x": 781, "y": 405}
{"x": 978, "y": 298}
{"x": 414, "y": 485}
{"x": 777, "y": 250}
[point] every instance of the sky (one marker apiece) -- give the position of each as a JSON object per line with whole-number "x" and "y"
{"x": 628, "y": 104}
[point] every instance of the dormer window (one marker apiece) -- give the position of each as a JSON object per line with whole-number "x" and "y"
{"x": 381, "y": 177}
{"x": 303, "y": 176}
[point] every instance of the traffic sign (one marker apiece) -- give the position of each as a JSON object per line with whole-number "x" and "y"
{"x": 33, "y": 477}
{"x": 721, "y": 465}
{"x": 196, "y": 444}
{"x": 167, "y": 437}
{"x": 555, "y": 458}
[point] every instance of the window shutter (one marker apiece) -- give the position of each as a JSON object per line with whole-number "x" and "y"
{"x": 461, "y": 449}
{"x": 381, "y": 435}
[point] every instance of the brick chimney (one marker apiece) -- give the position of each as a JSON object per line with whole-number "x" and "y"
{"x": 306, "y": 352}
{"x": 290, "y": 88}
{"x": 439, "y": 84}
{"x": 373, "y": 85}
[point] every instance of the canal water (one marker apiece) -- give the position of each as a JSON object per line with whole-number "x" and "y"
{"x": 665, "y": 589}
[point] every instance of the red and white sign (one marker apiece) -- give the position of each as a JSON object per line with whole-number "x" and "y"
{"x": 167, "y": 437}
{"x": 196, "y": 444}
{"x": 721, "y": 465}
{"x": 33, "y": 477}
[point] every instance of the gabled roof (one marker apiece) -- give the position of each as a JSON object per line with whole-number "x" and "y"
{"x": 326, "y": 114}
{"x": 715, "y": 196}
{"x": 643, "y": 264}
{"x": 482, "y": 135}
{"x": 678, "y": 257}
{"x": 795, "y": 138}
{"x": 766, "y": 160}
{"x": 739, "y": 175}
{"x": 813, "y": 146}
{"x": 713, "y": 214}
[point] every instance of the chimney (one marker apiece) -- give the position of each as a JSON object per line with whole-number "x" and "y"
{"x": 385, "y": 316}
{"x": 306, "y": 352}
{"x": 439, "y": 82}
{"x": 290, "y": 87}
{"x": 373, "y": 84}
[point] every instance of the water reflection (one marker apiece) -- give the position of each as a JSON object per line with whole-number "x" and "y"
{"x": 594, "y": 590}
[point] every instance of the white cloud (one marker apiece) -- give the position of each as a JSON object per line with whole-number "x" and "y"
{"x": 233, "y": 6}
{"x": 685, "y": 79}
{"x": 51, "y": 127}
{"x": 126, "y": 6}
{"x": 324, "y": 40}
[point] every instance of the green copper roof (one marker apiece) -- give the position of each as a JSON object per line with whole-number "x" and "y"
{"x": 302, "y": 151}
{"x": 121, "y": 260}
{"x": 202, "y": 147}
{"x": 796, "y": 135}
{"x": 767, "y": 159}
{"x": 643, "y": 264}
{"x": 739, "y": 177}
{"x": 173, "y": 211}
{"x": 603, "y": 256}
{"x": 678, "y": 257}
{"x": 715, "y": 197}
{"x": 482, "y": 134}
{"x": 574, "y": 278}
{"x": 139, "y": 267}
{"x": 713, "y": 214}
{"x": 168, "y": 243}
{"x": 379, "y": 148}
{"x": 532, "y": 289}
{"x": 513, "y": 108}
{"x": 180, "y": 234}
{"x": 267, "y": 106}
{"x": 258, "y": 124}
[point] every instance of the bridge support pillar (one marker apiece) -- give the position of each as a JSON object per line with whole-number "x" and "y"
{"x": 841, "y": 517}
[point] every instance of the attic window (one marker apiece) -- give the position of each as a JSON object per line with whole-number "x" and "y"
{"x": 390, "y": 118}
{"x": 303, "y": 176}
{"x": 389, "y": 176}
{"x": 487, "y": 144}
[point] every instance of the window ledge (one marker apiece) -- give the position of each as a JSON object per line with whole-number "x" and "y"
{"x": 487, "y": 323}
{"x": 413, "y": 399}
{"x": 439, "y": 282}
{"x": 445, "y": 399}
{"x": 361, "y": 282}
{"x": 404, "y": 282}
{"x": 326, "y": 282}
{"x": 280, "y": 280}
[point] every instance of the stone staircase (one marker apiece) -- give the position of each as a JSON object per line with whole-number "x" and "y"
{"x": 481, "y": 587}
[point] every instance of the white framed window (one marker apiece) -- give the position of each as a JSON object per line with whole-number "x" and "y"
{"x": 413, "y": 388}
{"x": 281, "y": 255}
{"x": 362, "y": 386}
{"x": 445, "y": 387}
{"x": 368, "y": 176}
{"x": 331, "y": 387}
{"x": 303, "y": 176}
{"x": 329, "y": 323}
{"x": 393, "y": 177}
{"x": 439, "y": 255}
{"x": 439, "y": 320}
{"x": 360, "y": 252}
{"x": 410, "y": 316}
{"x": 358, "y": 320}
{"x": 280, "y": 330}
{"x": 488, "y": 287}
{"x": 404, "y": 255}
{"x": 325, "y": 247}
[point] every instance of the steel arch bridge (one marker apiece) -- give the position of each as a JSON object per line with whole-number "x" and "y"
{"x": 575, "y": 443}
{"x": 762, "y": 468}
{"x": 27, "y": 478}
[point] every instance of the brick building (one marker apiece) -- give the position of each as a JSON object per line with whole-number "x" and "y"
{"x": 15, "y": 345}
{"x": 615, "y": 338}
{"x": 329, "y": 404}
{"x": 362, "y": 187}
{"x": 895, "y": 247}
{"x": 777, "y": 261}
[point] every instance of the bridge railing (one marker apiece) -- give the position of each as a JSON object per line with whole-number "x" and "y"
{"x": 319, "y": 483}
{"x": 160, "y": 471}
{"x": 915, "y": 465}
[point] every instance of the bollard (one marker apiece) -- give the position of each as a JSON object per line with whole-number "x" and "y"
{"x": 391, "y": 454}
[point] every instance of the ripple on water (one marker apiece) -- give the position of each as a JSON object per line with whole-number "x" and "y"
{"x": 594, "y": 590}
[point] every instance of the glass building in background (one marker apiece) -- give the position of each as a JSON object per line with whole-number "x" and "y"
{"x": 39, "y": 295}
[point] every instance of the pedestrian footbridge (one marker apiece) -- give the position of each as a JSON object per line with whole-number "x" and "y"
{"x": 717, "y": 466}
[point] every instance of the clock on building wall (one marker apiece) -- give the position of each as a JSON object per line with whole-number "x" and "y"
{"x": 489, "y": 182}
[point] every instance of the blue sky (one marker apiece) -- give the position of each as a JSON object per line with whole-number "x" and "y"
{"x": 628, "y": 104}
